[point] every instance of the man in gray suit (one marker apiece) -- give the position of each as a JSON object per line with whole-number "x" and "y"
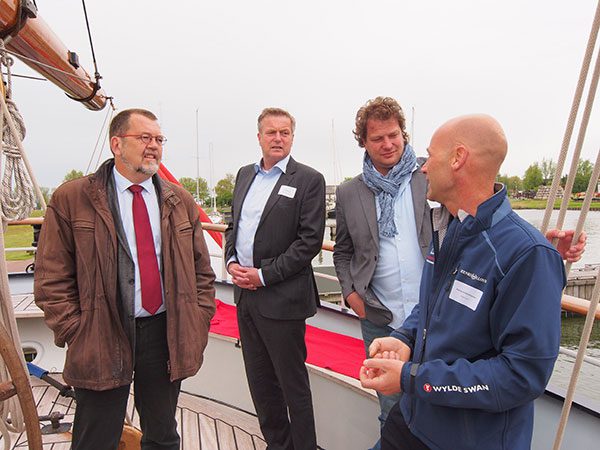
{"x": 383, "y": 230}
{"x": 278, "y": 220}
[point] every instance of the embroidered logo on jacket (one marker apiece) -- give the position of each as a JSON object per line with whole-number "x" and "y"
{"x": 454, "y": 388}
{"x": 473, "y": 276}
{"x": 430, "y": 258}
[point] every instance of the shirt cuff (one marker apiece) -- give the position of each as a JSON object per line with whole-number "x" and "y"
{"x": 229, "y": 261}
{"x": 260, "y": 275}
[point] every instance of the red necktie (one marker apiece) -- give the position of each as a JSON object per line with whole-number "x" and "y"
{"x": 146, "y": 253}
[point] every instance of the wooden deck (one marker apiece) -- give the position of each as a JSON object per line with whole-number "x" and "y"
{"x": 202, "y": 423}
{"x": 24, "y": 306}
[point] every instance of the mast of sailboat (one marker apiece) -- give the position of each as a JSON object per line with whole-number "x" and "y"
{"x": 412, "y": 125}
{"x": 337, "y": 172}
{"x": 197, "y": 161}
{"x": 212, "y": 186}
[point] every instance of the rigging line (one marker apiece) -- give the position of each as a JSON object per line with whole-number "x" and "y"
{"x": 587, "y": 203}
{"x": 585, "y": 67}
{"x": 591, "y": 95}
{"x": 29, "y": 77}
{"x": 589, "y": 319}
{"x": 47, "y": 66}
{"x": 87, "y": 170}
{"x": 87, "y": 24}
{"x": 105, "y": 139}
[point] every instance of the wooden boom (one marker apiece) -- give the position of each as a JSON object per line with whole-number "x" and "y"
{"x": 35, "y": 40}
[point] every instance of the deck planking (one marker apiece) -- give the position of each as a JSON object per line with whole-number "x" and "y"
{"x": 24, "y": 306}
{"x": 203, "y": 424}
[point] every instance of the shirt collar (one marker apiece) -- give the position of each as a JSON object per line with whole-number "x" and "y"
{"x": 122, "y": 184}
{"x": 281, "y": 165}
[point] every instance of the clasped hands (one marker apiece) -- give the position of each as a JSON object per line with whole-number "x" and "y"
{"x": 244, "y": 277}
{"x": 383, "y": 369}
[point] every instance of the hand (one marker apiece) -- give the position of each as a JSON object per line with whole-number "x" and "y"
{"x": 381, "y": 374}
{"x": 380, "y": 346}
{"x": 241, "y": 276}
{"x": 572, "y": 253}
{"x": 252, "y": 276}
{"x": 357, "y": 304}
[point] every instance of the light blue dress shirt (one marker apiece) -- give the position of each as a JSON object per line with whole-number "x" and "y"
{"x": 398, "y": 272}
{"x": 252, "y": 209}
{"x": 125, "y": 200}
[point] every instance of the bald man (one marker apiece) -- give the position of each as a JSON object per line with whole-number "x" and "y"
{"x": 480, "y": 345}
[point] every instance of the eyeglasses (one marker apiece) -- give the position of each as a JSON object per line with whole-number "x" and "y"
{"x": 146, "y": 138}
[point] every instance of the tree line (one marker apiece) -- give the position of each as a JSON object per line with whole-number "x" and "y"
{"x": 537, "y": 174}
{"x": 541, "y": 174}
{"x": 199, "y": 190}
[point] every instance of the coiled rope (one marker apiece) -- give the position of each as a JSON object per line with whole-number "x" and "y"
{"x": 17, "y": 200}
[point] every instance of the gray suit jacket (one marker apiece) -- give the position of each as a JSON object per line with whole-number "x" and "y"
{"x": 289, "y": 235}
{"x": 357, "y": 238}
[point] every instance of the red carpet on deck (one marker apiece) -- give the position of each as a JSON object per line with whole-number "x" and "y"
{"x": 326, "y": 349}
{"x": 333, "y": 351}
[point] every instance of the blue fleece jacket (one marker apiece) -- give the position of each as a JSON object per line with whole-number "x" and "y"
{"x": 485, "y": 334}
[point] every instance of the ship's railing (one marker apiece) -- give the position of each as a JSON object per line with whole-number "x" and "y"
{"x": 569, "y": 303}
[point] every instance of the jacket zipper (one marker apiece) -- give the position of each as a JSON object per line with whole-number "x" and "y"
{"x": 428, "y": 315}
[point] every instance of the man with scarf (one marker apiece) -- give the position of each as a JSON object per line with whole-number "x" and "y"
{"x": 384, "y": 228}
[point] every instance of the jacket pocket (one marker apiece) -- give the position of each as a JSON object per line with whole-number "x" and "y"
{"x": 184, "y": 269}
{"x": 376, "y": 311}
{"x": 84, "y": 233}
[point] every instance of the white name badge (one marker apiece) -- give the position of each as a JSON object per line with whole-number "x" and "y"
{"x": 287, "y": 191}
{"x": 465, "y": 294}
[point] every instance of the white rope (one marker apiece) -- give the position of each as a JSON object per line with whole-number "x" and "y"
{"x": 585, "y": 67}
{"x": 102, "y": 136}
{"x": 585, "y": 335}
{"x": 587, "y": 112}
{"x": 17, "y": 200}
{"x": 589, "y": 320}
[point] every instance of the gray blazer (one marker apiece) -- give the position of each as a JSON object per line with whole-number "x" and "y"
{"x": 357, "y": 238}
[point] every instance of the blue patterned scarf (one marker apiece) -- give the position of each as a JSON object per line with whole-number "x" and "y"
{"x": 386, "y": 187}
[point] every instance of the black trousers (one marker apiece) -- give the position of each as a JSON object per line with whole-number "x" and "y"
{"x": 99, "y": 415}
{"x": 274, "y": 354}
{"x": 396, "y": 435}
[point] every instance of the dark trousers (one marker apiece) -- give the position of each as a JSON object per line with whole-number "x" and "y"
{"x": 274, "y": 354}
{"x": 99, "y": 415}
{"x": 396, "y": 435}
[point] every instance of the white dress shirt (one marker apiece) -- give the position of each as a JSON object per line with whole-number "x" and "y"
{"x": 125, "y": 200}
{"x": 252, "y": 209}
{"x": 397, "y": 275}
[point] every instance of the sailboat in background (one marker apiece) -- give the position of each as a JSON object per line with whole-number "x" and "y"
{"x": 214, "y": 215}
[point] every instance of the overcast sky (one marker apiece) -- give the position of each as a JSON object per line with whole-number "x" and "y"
{"x": 516, "y": 60}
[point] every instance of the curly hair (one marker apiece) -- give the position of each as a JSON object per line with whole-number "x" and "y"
{"x": 380, "y": 108}
{"x": 276, "y": 112}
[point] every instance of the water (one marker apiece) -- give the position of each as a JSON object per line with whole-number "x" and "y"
{"x": 534, "y": 217}
{"x": 571, "y": 326}
{"x": 592, "y": 228}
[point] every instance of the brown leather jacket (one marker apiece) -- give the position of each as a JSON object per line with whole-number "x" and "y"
{"x": 77, "y": 288}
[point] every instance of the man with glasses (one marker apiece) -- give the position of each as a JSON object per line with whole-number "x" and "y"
{"x": 124, "y": 279}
